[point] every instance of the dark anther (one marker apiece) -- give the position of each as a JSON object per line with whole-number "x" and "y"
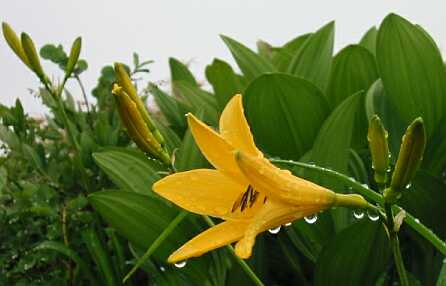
{"x": 249, "y": 196}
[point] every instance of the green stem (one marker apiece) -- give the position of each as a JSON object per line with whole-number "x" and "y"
{"x": 414, "y": 223}
{"x": 394, "y": 241}
{"x": 240, "y": 261}
{"x": 155, "y": 244}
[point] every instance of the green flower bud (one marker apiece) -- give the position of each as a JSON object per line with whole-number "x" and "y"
{"x": 74, "y": 56}
{"x": 123, "y": 80}
{"x": 409, "y": 159}
{"x": 32, "y": 56}
{"x": 137, "y": 127}
{"x": 14, "y": 43}
{"x": 379, "y": 149}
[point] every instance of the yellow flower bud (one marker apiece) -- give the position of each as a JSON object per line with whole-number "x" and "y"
{"x": 123, "y": 79}
{"x": 379, "y": 149}
{"x": 32, "y": 56}
{"x": 14, "y": 43}
{"x": 74, "y": 56}
{"x": 137, "y": 127}
{"x": 409, "y": 159}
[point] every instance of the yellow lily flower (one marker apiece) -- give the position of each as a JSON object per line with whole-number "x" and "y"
{"x": 249, "y": 193}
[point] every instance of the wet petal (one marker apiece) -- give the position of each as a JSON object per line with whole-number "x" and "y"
{"x": 215, "y": 148}
{"x": 235, "y": 129}
{"x": 201, "y": 191}
{"x": 217, "y": 236}
{"x": 272, "y": 215}
{"x": 281, "y": 184}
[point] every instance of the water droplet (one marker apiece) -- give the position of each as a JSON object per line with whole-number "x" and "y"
{"x": 162, "y": 268}
{"x": 274, "y": 230}
{"x": 444, "y": 261}
{"x": 372, "y": 215}
{"x": 358, "y": 214}
{"x": 408, "y": 186}
{"x": 180, "y": 264}
{"x": 417, "y": 220}
{"x": 365, "y": 185}
{"x": 311, "y": 218}
{"x": 288, "y": 224}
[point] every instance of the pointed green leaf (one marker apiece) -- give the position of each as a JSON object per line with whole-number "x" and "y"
{"x": 353, "y": 70}
{"x": 179, "y": 71}
{"x": 368, "y": 41}
{"x": 198, "y": 99}
{"x": 130, "y": 170}
{"x": 283, "y": 56}
{"x": 313, "y": 60}
{"x": 412, "y": 71}
{"x": 224, "y": 81}
{"x": 251, "y": 64}
{"x": 141, "y": 220}
{"x": 356, "y": 256}
{"x": 285, "y": 114}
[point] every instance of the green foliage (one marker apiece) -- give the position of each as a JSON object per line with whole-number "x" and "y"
{"x": 76, "y": 205}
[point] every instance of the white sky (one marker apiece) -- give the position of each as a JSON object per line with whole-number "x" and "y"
{"x": 187, "y": 29}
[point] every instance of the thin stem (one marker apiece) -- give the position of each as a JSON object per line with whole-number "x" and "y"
{"x": 240, "y": 261}
{"x": 375, "y": 197}
{"x": 155, "y": 244}
{"x": 394, "y": 242}
{"x": 398, "y": 259}
{"x": 84, "y": 94}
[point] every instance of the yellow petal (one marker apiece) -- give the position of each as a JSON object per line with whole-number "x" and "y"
{"x": 281, "y": 184}
{"x": 272, "y": 215}
{"x": 235, "y": 129}
{"x": 217, "y": 236}
{"x": 216, "y": 150}
{"x": 201, "y": 191}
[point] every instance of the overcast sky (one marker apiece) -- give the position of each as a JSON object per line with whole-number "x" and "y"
{"x": 185, "y": 29}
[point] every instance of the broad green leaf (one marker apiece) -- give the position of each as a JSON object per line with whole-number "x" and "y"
{"x": 442, "y": 276}
{"x": 100, "y": 256}
{"x": 368, "y": 41}
{"x": 412, "y": 71}
{"x": 141, "y": 220}
{"x": 224, "y": 81}
{"x": 251, "y": 64}
{"x": 264, "y": 49}
{"x": 377, "y": 102}
{"x": 435, "y": 154}
{"x": 130, "y": 170}
{"x": 33, "y": 157}
{"x": 313, "y": 60}
{"x": 356, "y": 256}
{"x": 179, "y": 71}
{"x": 172, "y": 140}
{"x": 339, "y": 130}
{"x": 353, "y": 70}
{"x": 425, "y": 200}
{"x": 285, "y": 114}
{"x": 198, "y": 99}
{"x": 283, "y": 56}
{"x": 170, "y": 107}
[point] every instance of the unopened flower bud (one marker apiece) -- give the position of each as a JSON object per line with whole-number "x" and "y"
{"x": 379, "y": 149}
{"x": 137, "y": 127}
{"x": 409, "y": 159}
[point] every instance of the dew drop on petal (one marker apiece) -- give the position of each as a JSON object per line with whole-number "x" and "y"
{"x": 180, "y": 264}
{"x": 358, "y": 214}
{"x": 372, "y": 215}
{"x": 311, "y": 218}
{"x": 274, "y": 230}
